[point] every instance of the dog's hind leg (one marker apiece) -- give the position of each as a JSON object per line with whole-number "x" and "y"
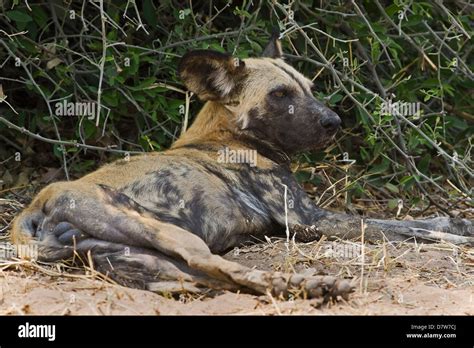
{"x": 147, "y": 268}
{"x": 110, "y": 216}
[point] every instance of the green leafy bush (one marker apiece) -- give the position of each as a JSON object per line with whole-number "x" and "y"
{"x": 363, "y": 57}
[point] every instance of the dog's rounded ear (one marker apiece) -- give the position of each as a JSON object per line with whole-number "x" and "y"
{"x": 211, "y": 75}
{"x": 273, "y": 49}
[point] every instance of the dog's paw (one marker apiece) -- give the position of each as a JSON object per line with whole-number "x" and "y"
{"x": 68, "y": 234}
{"x": 297, "y": 285}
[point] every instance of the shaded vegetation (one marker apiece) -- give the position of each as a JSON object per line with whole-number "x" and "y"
{"x": 363, "y": 56}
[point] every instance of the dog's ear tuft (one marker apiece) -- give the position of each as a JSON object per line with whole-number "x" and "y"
{"x": 273, "y": 49}
{"x": 211, "y": 75}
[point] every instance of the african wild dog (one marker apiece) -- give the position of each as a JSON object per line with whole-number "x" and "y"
{"x": 159, "y": 220}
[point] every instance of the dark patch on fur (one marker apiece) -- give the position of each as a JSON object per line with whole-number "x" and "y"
{"x": 200, "y": 67}
{"x": 120, "y": 199}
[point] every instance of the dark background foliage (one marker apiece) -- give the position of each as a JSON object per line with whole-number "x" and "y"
{"x": 358, "y": 53}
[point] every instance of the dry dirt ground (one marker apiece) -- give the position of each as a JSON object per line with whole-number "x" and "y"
{"x": 402, "y": 278}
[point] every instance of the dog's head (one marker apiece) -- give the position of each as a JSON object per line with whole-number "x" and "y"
{"x": 269, "y": 99}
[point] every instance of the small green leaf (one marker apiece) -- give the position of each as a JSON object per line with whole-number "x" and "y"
{"x": 407, "y": 181}
{"x": 380, "y": 168}
{"x": 19, "y": 16}
{"x": 149, "y": 13}
{"x": 335, "y": 98}
{"x": 302, "y": 176}
{"x": 423, "y": 165}
{"x": 393, "y": 203}
{"x": 392, "y": 187}
{"x": 39, "y": 16}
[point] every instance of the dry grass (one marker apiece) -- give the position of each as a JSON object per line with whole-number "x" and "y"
{"x": 387, "y": 274}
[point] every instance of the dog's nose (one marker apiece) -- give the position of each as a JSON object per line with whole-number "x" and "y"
{"x": 331, "y": 122}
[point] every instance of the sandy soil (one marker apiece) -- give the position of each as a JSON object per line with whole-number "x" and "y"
{"x": 403, "y": 278}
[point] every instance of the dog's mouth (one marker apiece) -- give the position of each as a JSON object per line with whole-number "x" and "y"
{"x": 325, "y": 140}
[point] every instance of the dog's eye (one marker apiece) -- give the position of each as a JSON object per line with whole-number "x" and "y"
{"x": 279, "y": 94}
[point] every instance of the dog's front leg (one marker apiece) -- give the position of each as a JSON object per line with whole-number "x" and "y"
{"x": 344, "y": 226}
{"x": 310, "y": 222}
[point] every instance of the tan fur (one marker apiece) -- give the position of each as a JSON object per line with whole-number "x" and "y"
{"x": 211, "y": 124}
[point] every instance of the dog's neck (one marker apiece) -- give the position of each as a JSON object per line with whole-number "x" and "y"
{"x": 216, "y": 126}
{"x": 212, "y": 124}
